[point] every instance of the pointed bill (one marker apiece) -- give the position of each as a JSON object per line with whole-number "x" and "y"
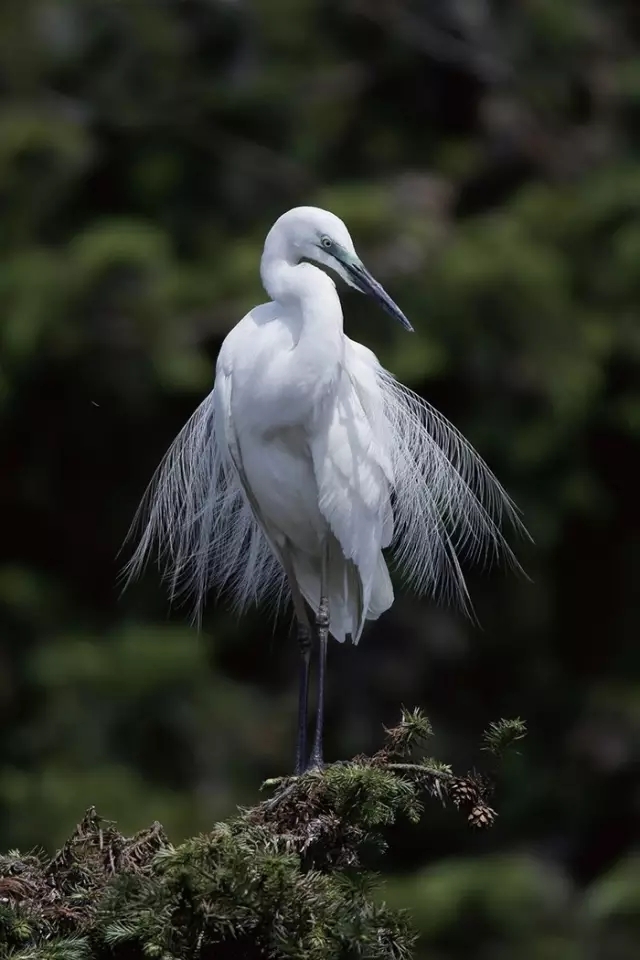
{"x": 362, "y": 280}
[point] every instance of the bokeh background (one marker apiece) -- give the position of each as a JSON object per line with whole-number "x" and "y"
{"x": 485, "y": 156}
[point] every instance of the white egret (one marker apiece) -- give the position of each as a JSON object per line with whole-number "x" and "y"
{"x": 308, "y": 459}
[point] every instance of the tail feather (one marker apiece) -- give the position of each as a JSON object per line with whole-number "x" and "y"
{"x": 351, "y": 603}
{"x": 382, "y": 591}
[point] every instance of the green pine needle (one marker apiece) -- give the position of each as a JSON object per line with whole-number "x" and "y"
{"x": 414, "y": 728}
{"x": 118, "y": 932}
{"x": 502, "y": 734}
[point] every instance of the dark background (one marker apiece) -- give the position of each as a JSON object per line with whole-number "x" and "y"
{"x": 485, "y": 156}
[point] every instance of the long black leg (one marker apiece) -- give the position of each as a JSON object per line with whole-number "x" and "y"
{"x": 304, "y": 646}
{"x": 322, "y": 627}
{"x": 304, "y": 643}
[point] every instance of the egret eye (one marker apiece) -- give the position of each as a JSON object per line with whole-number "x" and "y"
{"x": 326, "y": 242}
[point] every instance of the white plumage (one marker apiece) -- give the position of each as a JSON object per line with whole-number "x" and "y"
{"x": 306, "y": 444}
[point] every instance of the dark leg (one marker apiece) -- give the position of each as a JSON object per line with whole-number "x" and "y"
{"x": 322, "y": 628}
{"x": 304, "y": 646}
{"x": 304, "y": 643}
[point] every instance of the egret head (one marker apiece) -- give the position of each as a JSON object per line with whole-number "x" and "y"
{"x": 309, "y": 233}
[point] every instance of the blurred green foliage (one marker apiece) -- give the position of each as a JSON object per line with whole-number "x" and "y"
{"x": 485, "y": 158}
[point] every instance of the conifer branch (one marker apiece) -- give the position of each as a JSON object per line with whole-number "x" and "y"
{"x": 283, "y": 879}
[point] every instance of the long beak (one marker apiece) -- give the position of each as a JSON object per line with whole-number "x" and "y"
{"x": 363, "y": 281}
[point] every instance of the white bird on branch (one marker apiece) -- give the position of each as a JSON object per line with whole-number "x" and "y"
{"x": 308, "y": 459}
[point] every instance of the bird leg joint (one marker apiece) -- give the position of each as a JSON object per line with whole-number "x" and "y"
{"x": 322, "y": 616}
{"x": 304, "y": 640}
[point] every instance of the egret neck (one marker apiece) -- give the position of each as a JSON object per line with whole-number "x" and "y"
{"x": 310, "y": 307}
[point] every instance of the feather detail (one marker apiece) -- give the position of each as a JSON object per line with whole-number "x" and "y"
{"x": 198, "y": 521}
{"x": 447, "y": 504}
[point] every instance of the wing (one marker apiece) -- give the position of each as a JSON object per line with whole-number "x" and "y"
{"x": 353, "y": 469}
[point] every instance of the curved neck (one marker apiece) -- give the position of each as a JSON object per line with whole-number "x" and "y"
{"x": 303, "y": 287}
